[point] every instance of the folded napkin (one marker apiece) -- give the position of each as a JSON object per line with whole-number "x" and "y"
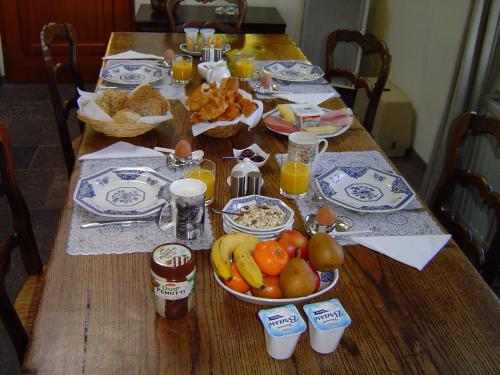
{"x": 121, "y": 150}
{"x": 313, "y": 99}
{"x": 132, "y": 55}
{"x": 415, "y": 251}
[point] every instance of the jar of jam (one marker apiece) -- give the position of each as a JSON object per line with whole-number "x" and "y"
{"x": 173, "y": 274}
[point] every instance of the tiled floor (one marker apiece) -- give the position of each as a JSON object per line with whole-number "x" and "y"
{"x": 27, "y": 112}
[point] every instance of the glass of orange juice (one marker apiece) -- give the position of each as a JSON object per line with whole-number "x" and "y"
{"x": 204, "y": 171}
{"x": 182, "y": 68}
{"x": 294, "y": 179}
{"x": 244, "y": 66}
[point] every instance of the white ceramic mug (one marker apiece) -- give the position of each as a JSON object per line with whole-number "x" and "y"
{"x": 304, "y": 147}
{"x": 186, "y": 210}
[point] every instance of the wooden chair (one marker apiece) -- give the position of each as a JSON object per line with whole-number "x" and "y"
{"x": 370, "y": 45}
{"x": 225, "y": 28}
{"x": 469, "y": 124}
{"x": 18, "y": 318}
{"x": 62, "y": 109}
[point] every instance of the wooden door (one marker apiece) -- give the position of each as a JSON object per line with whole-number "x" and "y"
{"x": 22, "y": 20}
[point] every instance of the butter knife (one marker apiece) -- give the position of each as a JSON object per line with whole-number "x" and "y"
{"x": 122, "y": 223}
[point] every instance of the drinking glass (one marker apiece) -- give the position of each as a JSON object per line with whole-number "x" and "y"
{"x": 185, "y": 212}
{"x": 182, "y": 68}
{"x": 294, "y": 177}
{"x": 244, "y": 67}
{"x": 191, "y": 38}
{"x": 204, "y": 171}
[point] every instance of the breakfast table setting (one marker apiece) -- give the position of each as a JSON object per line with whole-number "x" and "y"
{"x": 229, "y": 214}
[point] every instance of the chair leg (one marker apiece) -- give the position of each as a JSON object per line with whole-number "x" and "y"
{"x": 13, "y": 325}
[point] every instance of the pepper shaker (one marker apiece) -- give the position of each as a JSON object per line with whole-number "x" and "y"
{"x": 254, "y": 183}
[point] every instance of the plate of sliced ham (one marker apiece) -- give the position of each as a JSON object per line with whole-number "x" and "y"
{"x": 331, "y": 124}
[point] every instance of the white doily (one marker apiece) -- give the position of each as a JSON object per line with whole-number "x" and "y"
{"x": 405, "y": 222}
{"x": 137, "y": 238}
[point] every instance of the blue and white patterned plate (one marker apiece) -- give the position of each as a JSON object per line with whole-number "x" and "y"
{"x": 132, "y": 74}
{"x": 235, "y": 204}
{"x": 295, "y": 71}
{"x": 365, "y": 189}
{"x": 123, "y": 192}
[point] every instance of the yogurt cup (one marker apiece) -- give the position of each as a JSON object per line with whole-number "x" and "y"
{"x": 282, "y": 329}
{"x": 327, "y": 322}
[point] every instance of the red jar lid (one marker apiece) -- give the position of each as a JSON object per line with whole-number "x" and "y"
{"x": 172, "y": 261}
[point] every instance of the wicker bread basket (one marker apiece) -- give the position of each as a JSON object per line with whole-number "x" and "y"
{"x": 115, "y": 129}
{"x": 224, "y": 131}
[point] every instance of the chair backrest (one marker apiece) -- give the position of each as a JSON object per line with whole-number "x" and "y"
{"x": 22, "y": 237}
{"x": 370, "y": 45}
{"x": 466, "y": 125}
{"x": 225, "y": 28}
{"x": 48, "y": 35}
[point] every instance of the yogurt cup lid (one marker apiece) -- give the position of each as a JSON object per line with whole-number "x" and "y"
{"x": 282, "y": 321}
{"x": 327, "y": 315}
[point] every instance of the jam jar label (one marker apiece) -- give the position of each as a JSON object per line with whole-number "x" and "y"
{"x": 172, "y": 255}
{"x": 173, "y": 290}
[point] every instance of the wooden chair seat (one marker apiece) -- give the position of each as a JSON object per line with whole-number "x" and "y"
{"x": 28, "y": 300}
{"x": 370, "y": 45}
{"x": 18, "y": 318}
{"x": 51, "y": 33}
{"x": 464, "y": 127}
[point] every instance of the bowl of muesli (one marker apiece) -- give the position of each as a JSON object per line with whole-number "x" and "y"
{"x": 258, "y": 214}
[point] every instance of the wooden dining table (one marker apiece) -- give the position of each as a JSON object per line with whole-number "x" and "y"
{"x": 97, "y": 313}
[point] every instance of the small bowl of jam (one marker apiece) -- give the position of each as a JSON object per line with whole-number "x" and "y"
{"x": 254, "y": 153}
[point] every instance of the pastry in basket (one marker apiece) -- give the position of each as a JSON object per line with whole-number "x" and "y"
{"x": 126, "y": 116}
{"x": 208, "y": 103}
{"x": 112, "y": 101}
{"x": 147, "y": 101}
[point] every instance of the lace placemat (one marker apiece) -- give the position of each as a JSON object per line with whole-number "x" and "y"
{"x": 412, "y": 220}
{"x": 166, "y": 85}
{"x": 136, "y": 238}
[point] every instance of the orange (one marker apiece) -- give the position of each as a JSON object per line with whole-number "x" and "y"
{"x": 271, "y": 257}
{"x": 237, "y": 282}
{"x": 271, "y": 288}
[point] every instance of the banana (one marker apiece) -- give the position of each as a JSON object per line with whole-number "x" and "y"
{"x": 223, "y": 249}
{"x": 246, "y": 265}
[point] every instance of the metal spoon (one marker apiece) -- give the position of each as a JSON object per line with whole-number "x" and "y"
{"x": 221, "y": 212}
{"x": 197, "y": 155}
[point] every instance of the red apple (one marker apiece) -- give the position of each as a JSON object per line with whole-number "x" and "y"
{"x": 295, "y": 243}
{"x": 318, "y": 281}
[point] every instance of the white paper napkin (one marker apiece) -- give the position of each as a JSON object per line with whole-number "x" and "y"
{"x": 415, "y": 251}
{"x": 313, "y": 99}
{"x": 121, "y": 150}
{"x": 132, "y": 55}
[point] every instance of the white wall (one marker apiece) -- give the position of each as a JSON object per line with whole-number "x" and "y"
{"x": 290, "y": 10}
{"x": 424, "y": 38}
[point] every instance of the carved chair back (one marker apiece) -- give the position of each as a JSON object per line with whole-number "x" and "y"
{"x": 22, "y": 237}
{"x": 465, "y": 126}
{"x": 62, "y": 109}
{"x": 219, "y": 26}
{"x": 370, "y": 45}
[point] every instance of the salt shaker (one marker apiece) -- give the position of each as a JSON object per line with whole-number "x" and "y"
{"x": 237, "y": 184}
{"x": 254, "y": 183}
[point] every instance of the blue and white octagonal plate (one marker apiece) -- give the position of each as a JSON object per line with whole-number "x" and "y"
{"x": 123, "y": 192}
{"x": 295, "y": 71}
{"x": 132, "y": 74}
{"x": 365, "y": 189}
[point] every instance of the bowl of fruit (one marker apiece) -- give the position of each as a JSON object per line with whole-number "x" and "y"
{"x": 289, "y": 269}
